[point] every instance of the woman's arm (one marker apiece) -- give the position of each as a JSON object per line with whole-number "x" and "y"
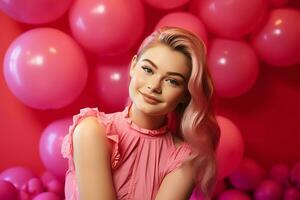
{"x": 178, "y": 184}
{"x": 92, "y": 153}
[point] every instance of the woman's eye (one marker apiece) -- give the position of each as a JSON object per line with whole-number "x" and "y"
{"x": 173, "y": 82}
{"x": 147, "y": 70}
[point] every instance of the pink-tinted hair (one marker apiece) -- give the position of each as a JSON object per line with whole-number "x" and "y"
{"x": 198, "y": 125}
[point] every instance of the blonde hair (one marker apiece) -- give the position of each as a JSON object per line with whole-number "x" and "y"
{"x": 198, "y": 125}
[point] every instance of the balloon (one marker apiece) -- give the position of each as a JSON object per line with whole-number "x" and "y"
{"x": 107, "y": 26}
{"x": 166, "y": 4}
{"x": 111, "y": 82}
{"x": 295, "y": 175}
{"x": 34, "y": 186}
{"x": 45, "y": 69}
{"x": 278, "y": 3}
{"x": 231, "y": 147}
{"x": 47, "y": 177}
{"x": 233, "y": 65}
{"x": 8, "y": 191}
{"x": 233, "y": 194}
{"x": 184, "y": 20}
{"x": 291, "y": 193}
{"x": 278, "y": 42}
{"x": 35, "y": 12}
{"x": 268, "y": 190}
{"x": 47, "y": 196}
{"x": 248, "y": 175}
{"x": 50, "y": 147}
{"x": 18, "y": 176}
{"x": 230, "y": 18}
{"x": 56, "y": 187}
{"x": 280, "y": 173}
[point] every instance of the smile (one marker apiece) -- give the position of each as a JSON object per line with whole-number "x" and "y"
{"x": 149, "y": 99}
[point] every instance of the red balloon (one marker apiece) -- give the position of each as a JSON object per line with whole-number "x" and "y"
{"x": 280, "y": 173}
{"x": 278, "y": 3}
{"x": 268, "y": 189}
{"x": 231, "y": 148}
{"x": 233, "y": 65}
{"x": 230, "y": 18}
{"x": 248, "y": 175}
{"x": 278, "y": 42}
{"x": 291, "y": 193}
{"x": 35, "y": 12}
{"x": 111, "y": 82}
{"x": 45, "y": 68}
{"x": 184, "y": 20}
{"x": 50, "y": 147}
{"x": 234, "y": 194}
{"x": 166, "y": 4}
{"x": 107, "y": 26}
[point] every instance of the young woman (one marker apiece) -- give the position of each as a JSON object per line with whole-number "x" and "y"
{"x": 163, "y": 144}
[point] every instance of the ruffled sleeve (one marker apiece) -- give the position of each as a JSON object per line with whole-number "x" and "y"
{"x": 105, "y": 120}
{"x": 177, "y": 157}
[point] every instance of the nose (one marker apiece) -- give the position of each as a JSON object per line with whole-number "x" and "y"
{"x": 154, "y": 85}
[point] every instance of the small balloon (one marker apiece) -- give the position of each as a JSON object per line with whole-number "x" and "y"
{"x": 295, "y": 175}
{"x": 47, "y": 196}
{"x": 56, "y": 187}
{"x": 280, "y": 173}
{"x": 268, "y": 190}
{"x": 291, "y": 193}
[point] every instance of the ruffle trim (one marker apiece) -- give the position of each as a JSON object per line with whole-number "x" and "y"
{"x": 67, "y": 144}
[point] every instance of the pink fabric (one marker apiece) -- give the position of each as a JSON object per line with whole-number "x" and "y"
{"x": 140, "y": 159}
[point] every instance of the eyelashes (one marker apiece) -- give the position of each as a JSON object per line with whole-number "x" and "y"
{"x": 149, "y": 71}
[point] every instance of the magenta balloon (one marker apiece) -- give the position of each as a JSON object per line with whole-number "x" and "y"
{"x": 280, "y": 173}
{"x": 111, "y": 82}
{"x": 268, "y": 190}
{"x": 231, "y": 147}
{"x": 295, "y": 175}
{"x": 248, "y": 175}
{"x": 35, "y": 12}
{"x": 47, "y": 196}
{"x": 18, "y": 176}
{"x": 231, "y": 18}
{"x": 8, "y": 191}
{"x": 107, "y": 26}
{"x": 233, "y": 194}
{"x": 45, "y": 68}
{"x": 233, "y": 65}
{"x": 184, "y": 20}
{"x": 291, "y": 193}
{"x": 166, "y": 4}
{"x": 50, "y": 147}
{"x": 278, "y": 42}
{"x": 56, "y": 187}
{"x": 35, "y": 186}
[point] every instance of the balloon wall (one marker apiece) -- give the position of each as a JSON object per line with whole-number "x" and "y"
{"x": 59, "y": 58}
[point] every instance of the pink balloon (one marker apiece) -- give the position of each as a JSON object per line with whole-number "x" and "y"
{"x": 184, "y": 20}
{"x": 18, "y": 176}
{"x": 35, "y": 12}
{"x": 45, "y": 68}
{"x": 278, "y": 3}
{"x": 166, "y": 4}
{"x": 248, "y": 175}
{"x": 291, "y": 193}
{"x": 107, "y": 26}
{"x": 50, "y": 147}
{"x": 278, "y": 42}
{"x": 35, "y": 186}
{"x": 56, "y": 187}
{"x": 233, "y": 65}
{"x": 8, "y": 191}
{"x": 111, "y": 82}
{"x": 295, "y": 175}
{"x": 280, "y": 173}
{"x": 231, "y": 18}
{"x": 268, "y": 190}
{"x": 231, "y": 147}
{"x": 47, "y": 177}
{"x": 233, "y": 194}
{"x": 47, "y": 196}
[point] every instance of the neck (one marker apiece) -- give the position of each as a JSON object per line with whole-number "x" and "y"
{"x": 144, "y": 120}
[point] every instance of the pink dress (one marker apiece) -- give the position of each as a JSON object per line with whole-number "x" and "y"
{"x": 140, "y": 158}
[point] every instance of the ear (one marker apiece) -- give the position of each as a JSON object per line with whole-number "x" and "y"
{"x": 132, "y": 65}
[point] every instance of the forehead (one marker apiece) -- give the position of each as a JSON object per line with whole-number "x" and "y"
{"x": 167, "y": 59}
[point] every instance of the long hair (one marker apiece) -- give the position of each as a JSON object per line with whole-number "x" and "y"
{"x": 198, "y": 125}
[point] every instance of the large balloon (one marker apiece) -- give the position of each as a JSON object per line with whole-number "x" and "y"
{"x": 184, "y": 20}
{"x": 278, "y": 42}
{"x": 50, "y": 147}
{"x": 231, "y": 148}
{"x": 35, "y": 12}
{"x": 45, "y": 68}
{"x": 166, "y": 4}
{"x": 18, "y": 176}
{"x": 111, "y": 82}
{"x": 233, "y": 65}
{"x": 107, "y": 26}
{"x": 230, "y": 18}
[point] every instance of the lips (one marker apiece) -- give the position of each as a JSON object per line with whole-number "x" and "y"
{"x": 150, "y": 99}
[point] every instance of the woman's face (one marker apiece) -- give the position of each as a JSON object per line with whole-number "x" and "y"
{"x": 158, "y": 80}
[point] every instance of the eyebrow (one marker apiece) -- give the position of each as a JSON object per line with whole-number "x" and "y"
{"x": 169, "y": 73}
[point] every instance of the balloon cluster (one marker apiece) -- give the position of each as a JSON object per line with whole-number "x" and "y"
{"x": 251, "y": 181}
